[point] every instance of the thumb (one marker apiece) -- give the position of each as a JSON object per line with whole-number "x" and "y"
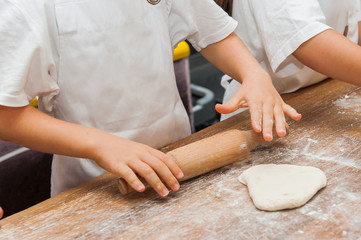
{"x": 236, "y": 102}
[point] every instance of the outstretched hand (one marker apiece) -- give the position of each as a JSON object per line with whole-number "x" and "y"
{"x": 257, "y": 92}
{"x": 265, "y": 105}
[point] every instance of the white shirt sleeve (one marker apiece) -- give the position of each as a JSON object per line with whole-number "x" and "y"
{"x": 27, "y": 66}
{"x": 202, "y": 22}
{"x": 284, "y": 25}
{"x": 358, "y": 10}
{"x": 354, "y": 16}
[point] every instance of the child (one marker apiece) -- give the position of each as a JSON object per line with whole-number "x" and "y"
{"x": 298, "y": 42}
{"x": 104, "y": 72}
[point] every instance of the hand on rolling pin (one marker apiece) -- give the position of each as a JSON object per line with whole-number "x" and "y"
{"x": 265, "y": 105}
{"x": 129, "y": 159}
{"x": 198, "y": 157}
{"x": 120, "y": 156}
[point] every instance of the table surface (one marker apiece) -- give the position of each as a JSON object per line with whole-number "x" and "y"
{"x": 215, "y": 205}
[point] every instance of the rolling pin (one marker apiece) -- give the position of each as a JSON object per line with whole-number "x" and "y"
{"x": 209, "y": 153}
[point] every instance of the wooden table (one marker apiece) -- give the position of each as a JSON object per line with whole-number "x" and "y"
{"x": 215, "y": 205}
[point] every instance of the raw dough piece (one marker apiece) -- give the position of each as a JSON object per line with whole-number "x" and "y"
{"x": 275, "y": 187}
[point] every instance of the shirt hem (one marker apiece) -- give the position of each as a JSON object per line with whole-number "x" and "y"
{"x": 13, "y": 101}
{"x": 216, "y": 37}
{"x": 292, "y": 44}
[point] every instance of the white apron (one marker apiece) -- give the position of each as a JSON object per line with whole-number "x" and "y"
{"x": 115, "y": 74}
{"x": 105, "y": 64}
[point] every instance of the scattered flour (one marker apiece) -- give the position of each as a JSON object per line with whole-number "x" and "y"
{"x": 203, "y": 207}
{"x": 350, "y": 102}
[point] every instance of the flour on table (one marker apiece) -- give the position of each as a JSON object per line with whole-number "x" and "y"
{"x": 275, "y": 187}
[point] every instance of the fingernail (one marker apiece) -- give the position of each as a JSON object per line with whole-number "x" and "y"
{"x": 164, "y": 193}
{"x": 180, "y": 175}
{"x": 175, "y": 187}
{"x": 268, "y": 136}
{"x": 140, "y": 188}
{"x": 281, "y": 131}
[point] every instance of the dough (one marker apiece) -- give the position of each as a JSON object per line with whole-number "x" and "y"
{"x": 275, "y": 187}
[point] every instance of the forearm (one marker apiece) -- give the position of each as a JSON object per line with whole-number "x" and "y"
{"x": 31, "y": 128}
{"x": 332, "y": 54}
{"x": 232, "y": 57}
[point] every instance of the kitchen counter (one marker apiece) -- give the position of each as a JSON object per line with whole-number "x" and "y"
{"x": 215, "y": 205}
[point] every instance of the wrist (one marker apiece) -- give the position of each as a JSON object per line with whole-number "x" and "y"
{"x": 93, "y": 143}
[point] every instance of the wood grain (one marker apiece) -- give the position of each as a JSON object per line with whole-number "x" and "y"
{"x": 215, "y": 205}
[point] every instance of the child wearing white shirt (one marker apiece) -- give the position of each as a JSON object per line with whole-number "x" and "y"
{"x": 103, "y": 71}
{"x": 299, "y": 42}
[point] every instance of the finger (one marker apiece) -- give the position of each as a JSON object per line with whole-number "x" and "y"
{"x": 147, "y": 172}
{"x": 171, "y": 164}
{"x": 256, "y": 116}
{"x": 226, "y": 108}
{"x": 233, "y": 104}
{"x": 267, "y": 122}
{"x": 291, "y": 112}
{"x": 131, "y": 178}
{"x": 280, "y": 121}
{"x": 162, "y": 170}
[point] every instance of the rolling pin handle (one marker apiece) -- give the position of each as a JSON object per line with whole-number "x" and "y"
{"x": 123, "y": 186}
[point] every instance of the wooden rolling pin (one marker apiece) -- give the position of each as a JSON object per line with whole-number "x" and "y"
{"x": 209, "y": 153}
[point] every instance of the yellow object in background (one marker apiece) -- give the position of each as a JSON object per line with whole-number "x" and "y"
{"x": 34, "y": 102}
{"x": 182, "y": 51}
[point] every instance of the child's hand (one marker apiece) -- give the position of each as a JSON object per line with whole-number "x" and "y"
{"x": 265, "y": 105}
{"x": 257, "y": 92}
{"x": 117, "y": 155}
{"x": 128, "y": 159}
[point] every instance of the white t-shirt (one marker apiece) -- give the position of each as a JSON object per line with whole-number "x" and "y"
{"x": 103, "y": 64}
{"x": 273, "y": 29}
